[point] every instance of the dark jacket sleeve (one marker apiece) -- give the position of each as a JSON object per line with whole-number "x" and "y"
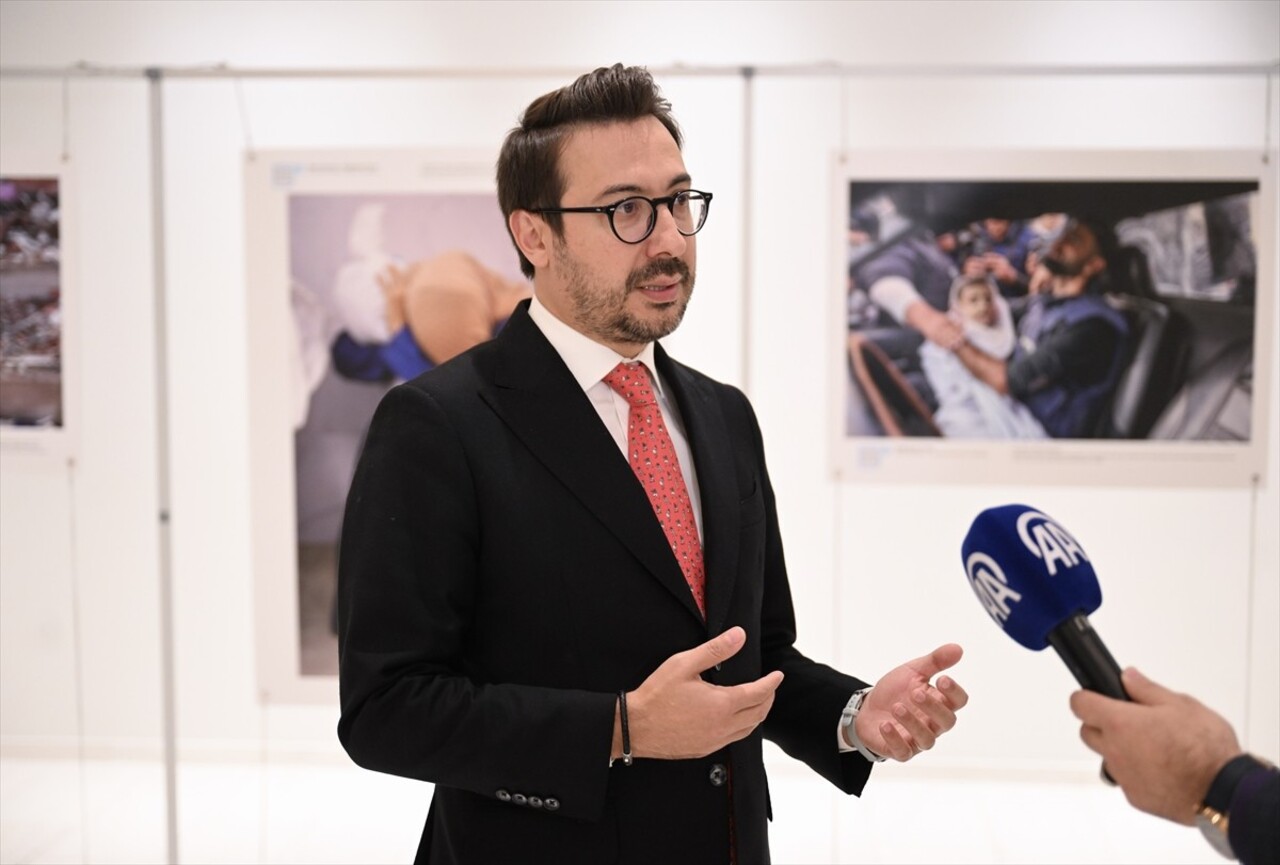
{"x": 1254, "y": 830}
{"x": 409, "y": 573}
{"x": 806, "y": 712}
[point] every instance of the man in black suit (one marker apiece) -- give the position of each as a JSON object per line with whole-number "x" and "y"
{"x": 578, "y": 639}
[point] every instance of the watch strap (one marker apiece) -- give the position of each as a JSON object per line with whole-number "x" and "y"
{"x": 847, "y": 718}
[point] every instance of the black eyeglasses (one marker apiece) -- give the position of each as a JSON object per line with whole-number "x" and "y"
{"x": 633, "y": 219}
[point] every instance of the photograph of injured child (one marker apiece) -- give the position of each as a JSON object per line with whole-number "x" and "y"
{"x": 1107, "y": 309}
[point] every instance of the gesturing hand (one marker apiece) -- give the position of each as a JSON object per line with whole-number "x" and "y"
{"x": 904, "y": 714}
{"x": 675, "y": 715}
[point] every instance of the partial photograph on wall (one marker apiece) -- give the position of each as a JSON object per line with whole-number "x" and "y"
{"x": 31, "y": 314}
{"x": 381, "y": 287}
{"x": 1082, "y": 326}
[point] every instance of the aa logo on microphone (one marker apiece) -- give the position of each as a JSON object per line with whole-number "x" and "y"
{"x": 991, "y": 586}
{"x": 1049, "y": 541}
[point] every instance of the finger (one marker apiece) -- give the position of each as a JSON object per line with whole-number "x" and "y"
{"x": 1093, "y": 708}
{"x": 753, "y": 714}
{"x": 939, "y": 659}
{"x": 750, "y": 717}
{"x": 751, "y": 694}
{"x": 741, "y": 732}
{"x": 931, "y": 702}
{"x": 1092, "y": 737}
{"x": 1143, "y": 690}
{"x": 713, "y": 651}
{"x": 916, "y": 725}
{"x": 896, "y": 744}
{"x": 956, "y": 697}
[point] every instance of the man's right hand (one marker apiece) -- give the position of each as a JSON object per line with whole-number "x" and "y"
{"x": 675, "y": 715}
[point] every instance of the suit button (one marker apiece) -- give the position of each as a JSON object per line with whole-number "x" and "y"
{"x": 718, "y": 775}
{"x": 519, "y": 799}
{"x": 551, "y": 804}
{"x": 535, "y": 802}
{"x": 503, "y": 796}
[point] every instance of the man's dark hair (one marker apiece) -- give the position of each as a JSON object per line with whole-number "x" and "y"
{"x": 529, "y": 165}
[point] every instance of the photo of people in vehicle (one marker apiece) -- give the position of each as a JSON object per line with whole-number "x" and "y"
{"x": 30, "y": 303}
{"x": 1051, "y": 309}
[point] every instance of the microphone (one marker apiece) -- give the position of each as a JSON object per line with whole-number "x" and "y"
{"x": 1034, "y": 579}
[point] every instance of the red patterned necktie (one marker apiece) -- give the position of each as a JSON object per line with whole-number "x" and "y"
{"x": 653, "y": 459}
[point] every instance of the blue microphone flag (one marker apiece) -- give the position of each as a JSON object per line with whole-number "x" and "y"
{"x": 1029, "y": 573}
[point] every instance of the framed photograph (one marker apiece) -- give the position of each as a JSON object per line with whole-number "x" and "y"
{"x": 364, "y": 270}
{"x": 1088, "y": 318}
{"x": 35, "y": 331}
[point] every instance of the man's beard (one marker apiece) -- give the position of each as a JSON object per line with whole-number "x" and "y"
{"x": 602, "y": 312}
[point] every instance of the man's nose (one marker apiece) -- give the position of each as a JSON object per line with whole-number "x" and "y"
{"x": 666, "y": 239}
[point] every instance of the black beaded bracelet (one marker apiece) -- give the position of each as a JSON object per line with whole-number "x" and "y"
{"x": 626, "y": 731}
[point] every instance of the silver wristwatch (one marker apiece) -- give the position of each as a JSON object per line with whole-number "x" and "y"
{"x": 847, "y": 717}
{"x": 1213, "y": 826}
{"x": 1213, "y": 817}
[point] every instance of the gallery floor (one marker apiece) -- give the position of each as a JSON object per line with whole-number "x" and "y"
{"x": 294, "y": 812}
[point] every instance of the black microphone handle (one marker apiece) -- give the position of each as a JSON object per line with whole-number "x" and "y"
{"x": 1086, "y": 656}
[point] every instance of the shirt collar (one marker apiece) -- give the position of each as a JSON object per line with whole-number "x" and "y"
{"x": 588, "y": 360}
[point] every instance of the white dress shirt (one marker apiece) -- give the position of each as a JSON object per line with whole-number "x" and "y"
{"x": 589, "y": 362}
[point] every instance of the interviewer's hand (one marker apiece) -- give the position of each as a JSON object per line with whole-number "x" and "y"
{"x": 904, "y": 714}
{"x": 1163, "y": 749}
{"x": 675, "y": 715}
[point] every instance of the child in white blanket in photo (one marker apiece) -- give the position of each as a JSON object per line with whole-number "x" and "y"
{"x": 967, "y": 407}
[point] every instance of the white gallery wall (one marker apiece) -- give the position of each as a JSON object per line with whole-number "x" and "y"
{"x": 1191, "y": 577}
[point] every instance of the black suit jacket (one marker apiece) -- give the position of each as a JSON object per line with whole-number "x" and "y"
{"x": 502, "y": 576}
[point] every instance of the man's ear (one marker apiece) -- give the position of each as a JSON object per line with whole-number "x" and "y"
{"x": 1094, "y": 266}
{"x": 532, "y": 235}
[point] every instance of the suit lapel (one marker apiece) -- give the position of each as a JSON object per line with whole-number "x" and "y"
{"x": 539, "y": 400}
{"x": 717, "y": 485}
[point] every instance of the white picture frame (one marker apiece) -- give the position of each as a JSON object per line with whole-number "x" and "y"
{"x": 28, "y": 432}
{"x": 860, "y": 448}
{"x": 301, "y": 215}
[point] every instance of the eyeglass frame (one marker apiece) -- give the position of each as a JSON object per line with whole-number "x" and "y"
{"x": 668, "y": 200}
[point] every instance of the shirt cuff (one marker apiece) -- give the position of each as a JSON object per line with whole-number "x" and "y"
{"x": 841, "y": 745}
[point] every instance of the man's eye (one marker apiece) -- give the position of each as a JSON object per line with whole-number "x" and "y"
{"x": 630, "y": 207}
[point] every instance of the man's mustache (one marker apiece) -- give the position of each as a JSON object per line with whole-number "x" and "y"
{"x": 663, "y": 267}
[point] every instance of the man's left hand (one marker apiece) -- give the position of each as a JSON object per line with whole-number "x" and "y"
{"x": 904, "y": 714}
